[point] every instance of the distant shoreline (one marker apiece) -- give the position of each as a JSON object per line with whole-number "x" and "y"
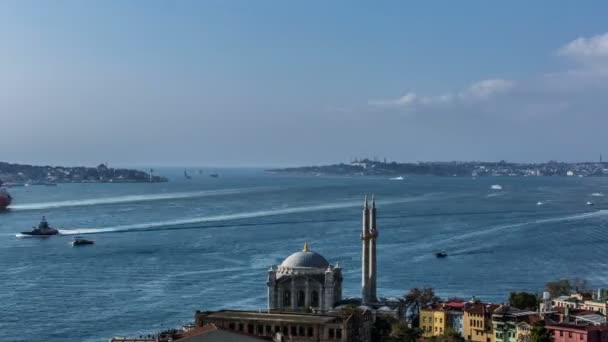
{"x": 368, "y": 167}
{"x": 23, "y": 174}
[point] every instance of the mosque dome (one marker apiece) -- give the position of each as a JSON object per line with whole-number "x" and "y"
{"x": 305, "y": 259}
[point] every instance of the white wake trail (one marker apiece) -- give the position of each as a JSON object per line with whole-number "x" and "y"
{"x": 228, "y": 217}
{"x": 135, "y": 198}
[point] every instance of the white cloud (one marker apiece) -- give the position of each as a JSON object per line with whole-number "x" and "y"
{"x": 475, "y": 92}
{"x": 487, "y": 88}
{"x": 587, "y": 49}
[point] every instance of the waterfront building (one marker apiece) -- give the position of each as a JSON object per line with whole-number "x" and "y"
{"x": 567, "y": 332}
{"x": 504, "y": 322}
{"x": 523, "y": 330}
{"x": 305, "y": 298}
{"x": 304, "y": 282}
{"x": 455, "y": 316}
{"x": 291, "y": 326}
{"x": 433, "y": 320}
{"x": 478, "y": 321}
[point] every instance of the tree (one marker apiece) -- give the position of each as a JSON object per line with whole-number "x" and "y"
{"x": 564, "y": 287}
{"x": 523, "y": 300}
{"x": 540, "y": 333}
{"x": 401, "y": 332}
{"x": 450, "y": 335}
{"x": 381, "y": 330}
{"x": 417, "y": 299}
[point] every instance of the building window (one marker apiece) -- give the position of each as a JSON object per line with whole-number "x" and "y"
{"x": 240, "y": 326}
{"x": 268, "y": 329}
{"x": 339, "y": 334}
{"x": 424, "y": 319}
{"x": 561, "y": 333}
{"x": 570, "y": 334}
{"x": 294, "y": 331}
{"x": 260, "y": 329}
{"x": 277, "y": 329}
{"x": 331, "y": 333}
{"x": 285, "y": 330}
{"x": 314, "y": 299}
{"x": 286, "y": 298}
{"x": 301, "y": 331}
{"x": 231, "y": 326}
{"x": 301, "y": 298}
{"x": 580, "y": 336}
{"x": 250, "y": 328}
{"x": 441, "y": 320}
{"x": 310, "y": 332}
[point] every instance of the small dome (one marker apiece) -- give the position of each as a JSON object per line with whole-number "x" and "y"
{"x": 305, "y": 259}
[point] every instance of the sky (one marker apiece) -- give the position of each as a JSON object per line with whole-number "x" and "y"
{"x": 283, "y": 83}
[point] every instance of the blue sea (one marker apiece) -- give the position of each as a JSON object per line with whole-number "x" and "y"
{"x": 163, "y": 251}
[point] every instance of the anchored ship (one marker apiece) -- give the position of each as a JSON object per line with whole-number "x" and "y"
{"x": 5, "y": 197}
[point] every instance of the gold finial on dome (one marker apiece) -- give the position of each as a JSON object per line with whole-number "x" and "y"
{"x": 305, "y": 247}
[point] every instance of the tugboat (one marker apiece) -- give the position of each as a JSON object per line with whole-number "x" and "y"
{"x": 214, "y": 175}
{"x": 5, "y": 197}
{"x": 78, "y": 241}
{"x": 441, "y": 254}
{"x": 42, "y": 230}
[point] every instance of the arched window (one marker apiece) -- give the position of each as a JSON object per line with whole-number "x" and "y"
{"x": 286, "y": 299}
{"x": 314, "y": 299}
{"x": 301, "y": 299}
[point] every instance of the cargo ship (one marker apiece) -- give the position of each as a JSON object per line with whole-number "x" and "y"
{"x": 5, "y": 197}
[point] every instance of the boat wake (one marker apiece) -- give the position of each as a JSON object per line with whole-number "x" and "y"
{"x": 467, "y": 236}
{"x": 228, "y": 217}
{"x": 136, "y": 198}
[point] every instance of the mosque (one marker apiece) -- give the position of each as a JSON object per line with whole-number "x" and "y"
{"x": 305, "y": 299}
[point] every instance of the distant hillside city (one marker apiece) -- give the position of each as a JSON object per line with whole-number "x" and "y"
{"x": 374, "y": 167}
{"x": 19, "y": 174}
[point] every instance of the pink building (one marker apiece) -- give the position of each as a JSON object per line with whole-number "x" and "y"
{"x": 578, "y": 333}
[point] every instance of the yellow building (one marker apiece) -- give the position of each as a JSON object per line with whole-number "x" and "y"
{"x": 433, "y": 320}
{"x": 478, "y": 322}
{"x": 523, "y": 330}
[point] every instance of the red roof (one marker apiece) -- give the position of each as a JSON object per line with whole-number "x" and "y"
{"x": 455, "y": 305}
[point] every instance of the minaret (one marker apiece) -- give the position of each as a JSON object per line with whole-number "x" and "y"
{"x": 364, "y": 255}
{"x": 373, "y": 234}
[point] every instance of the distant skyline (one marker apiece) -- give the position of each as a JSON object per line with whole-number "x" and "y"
{"x": 270, "y": 83}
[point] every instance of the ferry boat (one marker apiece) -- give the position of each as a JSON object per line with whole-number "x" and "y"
{"x": 5, "y": 197}
{"x": 78, "y": 241}
{"x": 43, "y": 230}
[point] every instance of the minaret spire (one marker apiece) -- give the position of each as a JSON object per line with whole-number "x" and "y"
{"x": 373, "y": 234}
{"x": 365, "y": 253}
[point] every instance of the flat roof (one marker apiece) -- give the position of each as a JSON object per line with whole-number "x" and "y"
{"x": 271, "y": 316}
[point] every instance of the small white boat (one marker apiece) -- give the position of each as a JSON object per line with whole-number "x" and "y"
{"x": 540, "y": 203}
{"x": 397, "y": 178}
{"x": 597, "y": 194}
{"x": 589, "y": 203}
{"x": 496, "y": 187}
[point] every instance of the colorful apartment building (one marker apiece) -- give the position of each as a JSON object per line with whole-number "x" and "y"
{"x": 567, "y": 332}
{"x": 478, "y": 321}
{"x": 455, "y": 313}
{"x": 505, "y": 321}
{"x": 433, "y": 320}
